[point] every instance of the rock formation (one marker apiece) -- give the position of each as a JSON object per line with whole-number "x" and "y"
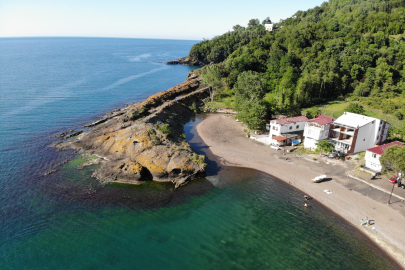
{"x": 187, "y": 62}
{"x": 145, "y": 141}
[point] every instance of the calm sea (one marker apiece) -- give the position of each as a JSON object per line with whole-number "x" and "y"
{"x": 233, "y": 219}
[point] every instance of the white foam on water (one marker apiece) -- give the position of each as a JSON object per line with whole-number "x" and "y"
{"x": 53, "y": 94}
{"x": 139, "y": 57}
{"x": 133, "y": 77}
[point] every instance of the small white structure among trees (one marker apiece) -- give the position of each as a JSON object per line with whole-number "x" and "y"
{"x": 268, "y": 26}
{"x": 374, "y": 160}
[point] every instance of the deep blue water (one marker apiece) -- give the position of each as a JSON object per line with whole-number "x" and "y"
{"x": 234, "y": 219}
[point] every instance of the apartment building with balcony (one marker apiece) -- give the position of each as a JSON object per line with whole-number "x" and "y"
{"x": 354, "y": 133}
{"x": 317, "y": 129}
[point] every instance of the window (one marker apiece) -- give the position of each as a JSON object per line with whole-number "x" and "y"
{"x": 298, "y": 126}
{"x": 373, "y": 155}
{"x": 378, "y": 137}
{"x": 274, "y": 128}
{"x": 290, "y": 127}
{"x": 364, "y": 140}
{"x": 379, "y": 128}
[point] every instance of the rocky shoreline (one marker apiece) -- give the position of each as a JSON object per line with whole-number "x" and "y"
{"x": 145, "y": 141}
{"x": 187, "y": 62}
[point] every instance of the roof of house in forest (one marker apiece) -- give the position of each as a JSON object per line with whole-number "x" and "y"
{"x": 290, "y": 120}
{"x": 322, "y": 119}
{"x": 379, "y": 150}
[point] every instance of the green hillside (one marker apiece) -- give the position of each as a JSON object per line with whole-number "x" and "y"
{"x": 343, "y": 49}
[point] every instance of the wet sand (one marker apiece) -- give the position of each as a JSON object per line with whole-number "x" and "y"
{"x": 349, "y": 198}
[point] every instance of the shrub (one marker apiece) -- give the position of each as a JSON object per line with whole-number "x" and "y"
{"x": 165, "y": 129}
{"x": 199, "y": 159}
{"x": 355, "y": 108}
{"x": 134, "y": 114}
{"x": 153, "y": 137}
{"x": 399, "y": 115}
{"x": 194, "y": 108}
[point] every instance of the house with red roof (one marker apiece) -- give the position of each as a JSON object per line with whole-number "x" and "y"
{"x": 284, "y": 131}
{"x": 373, "y": 155}
{"x": 317, "y": 129}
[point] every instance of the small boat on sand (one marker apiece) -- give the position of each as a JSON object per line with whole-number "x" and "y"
{"x": 319, "y": 178}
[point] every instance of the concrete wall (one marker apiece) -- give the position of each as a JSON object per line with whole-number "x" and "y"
{"x": 373, "y": 162}
{"x": 365, "y": 138}
{"x": 310, "y": 143}
{"x": 316, "y": 133}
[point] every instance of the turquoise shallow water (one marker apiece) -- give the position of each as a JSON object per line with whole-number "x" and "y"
{"x": 234, "y": 219}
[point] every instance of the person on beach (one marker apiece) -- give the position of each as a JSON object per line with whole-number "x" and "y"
{"x": 305, "y": 198}
{"x": 305, "y": 205}
{"x": 367, "y": 222}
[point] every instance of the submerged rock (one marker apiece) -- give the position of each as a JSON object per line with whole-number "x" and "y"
{"x": 144, "y": 141}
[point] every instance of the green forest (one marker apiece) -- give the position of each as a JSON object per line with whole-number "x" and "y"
{"x": 342, "y": 50}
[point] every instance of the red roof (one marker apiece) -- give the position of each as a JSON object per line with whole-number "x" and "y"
{"x": 322, "y": 119}
{"x": 279, "y": 138}
{"x": 379, "y": 150}
{"x": 290, "y": 120}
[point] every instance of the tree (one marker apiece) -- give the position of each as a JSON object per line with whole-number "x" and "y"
{"x": 267, "y": 20}
{"x": 253, "y": 22}
{"x": 211, "y": 77}
{"x": 237, "y": 27}
{"x": 253, "y": 114}
{"x": 394, "y": 158}
{"x": 249, "y": 90}
{"x": 324, "y": 146}
{"x": 250, "y": 86}
{"x": 355, "y": 108}
{"x": 311, "y": 113}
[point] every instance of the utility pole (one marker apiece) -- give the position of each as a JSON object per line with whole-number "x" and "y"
{"x": 391, "y": 192}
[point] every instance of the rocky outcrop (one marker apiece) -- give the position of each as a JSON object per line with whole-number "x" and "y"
{"x": 145, "y": 141}
{"x": 187, "y": 62}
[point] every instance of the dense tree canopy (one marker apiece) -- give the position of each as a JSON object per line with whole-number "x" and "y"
{"x": 334, "y": 50}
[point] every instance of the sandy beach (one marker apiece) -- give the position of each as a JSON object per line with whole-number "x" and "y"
{"x": 351, "y": 199}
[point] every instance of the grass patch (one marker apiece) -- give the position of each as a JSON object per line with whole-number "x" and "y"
{"x": 304, "y": 151}
{"x": 226, "y": 103}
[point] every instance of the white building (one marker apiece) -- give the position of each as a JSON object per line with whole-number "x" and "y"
{"x": 268, "y": 26}
{"x": 353, "y": 133}
{"x": 291, "y": 128}
{"x": 317, "y": 129}
{"x": 373, "y": 156}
